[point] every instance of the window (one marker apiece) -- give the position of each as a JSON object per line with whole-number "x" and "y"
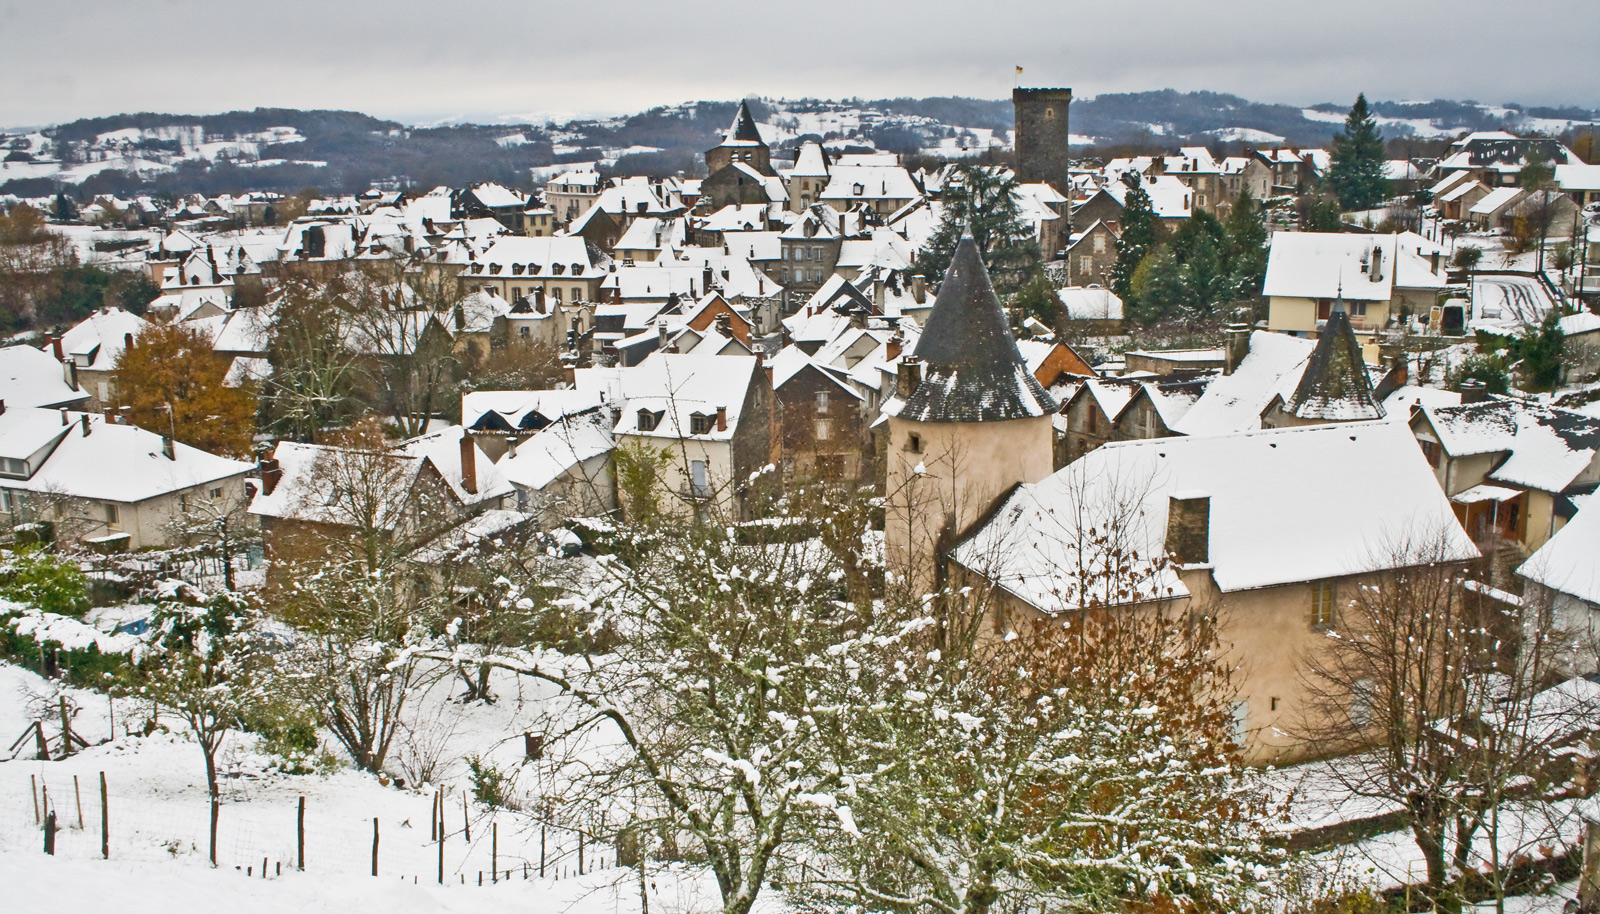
{"x": 1432, "y": 451}
{"x": 824, "y": 428}
{"x": 6, "y": 502}
{"x": 784, "y": 274}
{"x": 1086, "y": 263}
{"x": 699, "y": 424}
{"x": 16, "y": 467}
{"x": 1241, "y": 722}
{"x": 648, "y": 420}
{"x": 577, "y": 293}
{"x": 111, "y": 513}
{"x": 697, "y": 476}
{"x": 1322, "y": 604}
{"x": 1094, "y": 419}
{"x": 216, "y": 492}
{"x": 524, "y": 332}
{"x": 1361, "y": 702}
{"x": 1099, "y": 243}
{"x": 914, "y": 444}
{"x": 516, "y": 292}
{"x": 1357, "y": 308}
{"x": 822, "y": 403}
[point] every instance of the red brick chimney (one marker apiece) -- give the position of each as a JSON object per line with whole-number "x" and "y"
{"x": 55, "y": 344}
{"x": 271, "y": 473}
{"x": 722, "y": 418}
{"x": 469, "y": 464}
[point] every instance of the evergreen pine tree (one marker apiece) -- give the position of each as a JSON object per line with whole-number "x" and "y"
{"x": 1245, "y": 257}
{"x": 983, "y": 201}
{"x": 1357, "y": 173}
{"x": 1137, "y": 239}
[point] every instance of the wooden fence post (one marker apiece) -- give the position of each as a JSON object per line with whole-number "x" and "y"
{"x": 541, "y": 850}
{"x": 466, "y": 823}
{"x": 50, "y": 833}
{"x": 374, "y": 845}
{"x": 494, "y": 851}
{"x": 77, "y": 796}
{"x": 105, "y": 820}
{"x": 33, "y": 789}
{"x": 300, "y": 836}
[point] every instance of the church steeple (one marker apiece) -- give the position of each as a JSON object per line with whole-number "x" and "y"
{"x": 744, "y": 127}
{"x": 973, "y": 371}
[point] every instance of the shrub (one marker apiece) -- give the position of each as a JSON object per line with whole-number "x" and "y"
{"x": 41, "y": 580}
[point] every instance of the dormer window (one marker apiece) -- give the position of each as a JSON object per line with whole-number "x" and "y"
{"x": 699, "y": 424}
{"x": 648, "y": 420}
{"x": 12, "y": 466}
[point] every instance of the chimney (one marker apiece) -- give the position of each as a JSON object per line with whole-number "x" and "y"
{"x": 892, "y": 348}
{"x": 725, "y": 324}
{"x": 909, "y": 376}
{"x": 919, "y": 289}
{"x": 127, "y": 341}
{"x": 1236, "y": 345}
{"x": 270, "y": 474}
{"x": 469, "y": 464}
{"x": 1473, "y": 392}
{"x": 64, "y": 420}
{"x": 2, "y": 407}
{"x": 511, "y": 447}
{"x": 1376, "y": 275}
{"x": 55, "y": 344}
{"x": 1189, "y": 528}
{"x": 722, "y": 418}
{"x": 125, "y": 415}
{"x": 168, "y": 448}
{"x": 858, "y": 317}
{"x": 85, "y": 424}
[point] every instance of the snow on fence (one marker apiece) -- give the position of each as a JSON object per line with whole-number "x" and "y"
{"x": 266, "y": 840}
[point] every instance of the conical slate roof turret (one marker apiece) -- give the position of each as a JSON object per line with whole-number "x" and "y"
{"x": 1335, "y": 386}
{"x": 972, "y": 369}
{"x": 744, "y": 127}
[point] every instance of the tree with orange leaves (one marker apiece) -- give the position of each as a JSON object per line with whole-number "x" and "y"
{"x": 173, "y": 367}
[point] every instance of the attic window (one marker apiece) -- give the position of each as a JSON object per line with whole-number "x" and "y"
{"x": 648, "y": 420}
{"x": 558, "y": 268}
{"x": 533, "y": 269}
{"x": 699, "y": 424}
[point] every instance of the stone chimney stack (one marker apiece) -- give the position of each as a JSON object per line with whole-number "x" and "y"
{"x": 1189, "y": 528}
{"x": 1236, "y": 346}
{"x": 469, "y": 464}
{"x": 85, "y": 425}
{"x": 1473, "y": 392}
{"x": 909, "y": 376}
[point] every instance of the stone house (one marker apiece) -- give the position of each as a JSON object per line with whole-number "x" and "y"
{"x": 1231, "y": 511}
{"x": 1092, "y": 255}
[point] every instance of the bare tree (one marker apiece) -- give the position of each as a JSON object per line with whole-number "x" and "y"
{"x": 1435, "y": 691}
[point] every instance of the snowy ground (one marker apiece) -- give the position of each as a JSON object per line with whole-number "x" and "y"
{"x": 158, "y": 821}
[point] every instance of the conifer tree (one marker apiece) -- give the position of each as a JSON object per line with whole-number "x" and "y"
{"x": 983, "y": 201}
{"x": 1246, "y": 253}
{"x": 1137, "y": 239}
{"x": 1357, "y": 173}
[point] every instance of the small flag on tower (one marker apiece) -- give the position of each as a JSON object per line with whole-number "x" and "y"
{"x": 1019, "y": 71}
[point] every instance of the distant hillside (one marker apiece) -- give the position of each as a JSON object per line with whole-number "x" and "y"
{"x": 344, "y": 151}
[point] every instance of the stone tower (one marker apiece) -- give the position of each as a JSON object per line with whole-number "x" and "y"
{"x": 968, "y": 423}
{"x": 1042, "y": 135}
{"x": 741, "y": 144}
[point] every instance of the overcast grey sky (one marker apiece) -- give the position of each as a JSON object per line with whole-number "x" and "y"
{"x": 422, "y": 61}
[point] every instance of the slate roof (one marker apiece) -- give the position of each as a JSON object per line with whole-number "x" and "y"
{"x": 1335, "y": 386}
{"x": 973, "y": 371}
{"x": 743, "y": 129}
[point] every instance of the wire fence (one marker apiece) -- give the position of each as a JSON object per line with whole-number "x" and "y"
{"x": 265, "y": 839}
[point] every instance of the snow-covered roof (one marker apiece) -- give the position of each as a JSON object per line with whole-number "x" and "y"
{"x": 1578, "y": 176}
{"x": 869, "y": 182}
{"x": 509, "y": 410}
{"x": 1169, "y": 197}
{"x": 1496, "y": 200}
{"x": 1233, "y": 403}
{"x": 97, "y": 341}
{"x": 546, "y": 455}
{"x": 539, "y": 258}
{"x": 1547, "y": 448}
{"x": 32, "y": 377}
{"x": 1326, "y": 264}
{"x": 673, "y": 388}
{"x": 1582, "y": 322}
{"x": 810, "y": 161}
{"x": 1260, "y": 510}
{"x": 1570, "y": 561}
{"x": 1090, "y": 304}
{"x": 121, "y": 463}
